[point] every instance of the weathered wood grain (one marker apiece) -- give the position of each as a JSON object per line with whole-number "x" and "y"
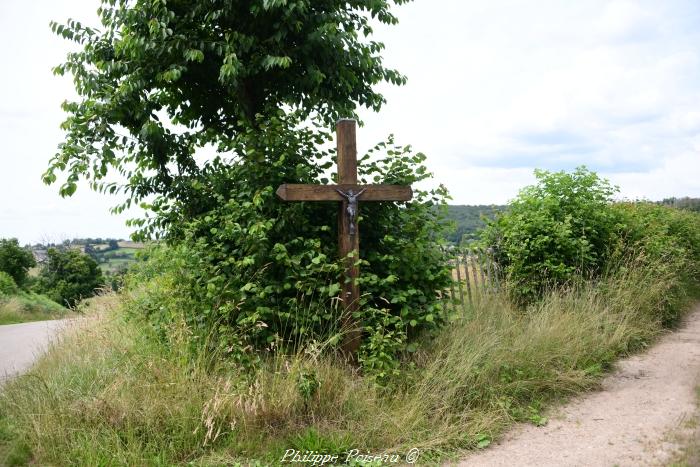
{"x": 348, "y": 245}
{"x": 296, "y": 192}
{"x": 346, "y": 137}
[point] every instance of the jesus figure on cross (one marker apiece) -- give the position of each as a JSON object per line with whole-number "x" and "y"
{"x": 352, "y": 206}
{"x": 348, "y": 192}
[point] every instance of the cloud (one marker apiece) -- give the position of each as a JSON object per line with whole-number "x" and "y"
{"x": 614, "y": 85}
{"x": 496, "y": 89}
{"x": 625, "y": 21}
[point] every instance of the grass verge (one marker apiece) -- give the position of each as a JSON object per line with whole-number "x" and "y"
{"x": 112, "y": 394}
{"x": 29, "y": 306}
{"x": 688, "y": 440}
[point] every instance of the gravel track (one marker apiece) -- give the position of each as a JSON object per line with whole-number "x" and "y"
{"x": 630, "y": 422}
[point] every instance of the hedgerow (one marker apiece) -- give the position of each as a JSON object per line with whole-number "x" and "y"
{"x": 553, "y": 232}
{"x": 567, "y": 228}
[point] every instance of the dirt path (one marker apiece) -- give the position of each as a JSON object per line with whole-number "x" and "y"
{"x": 21, "y": 344}
{"x": 629, "y": 423}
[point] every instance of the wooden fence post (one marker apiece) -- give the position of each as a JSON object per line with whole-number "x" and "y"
{"x": 452, "y": 290}
{"x": 484, "y": 282}
{"x": 495, "y": 269}
{"x": 465, "y": 260}
{"x": 489, "y": 271}
{"x": 459, "y": 283}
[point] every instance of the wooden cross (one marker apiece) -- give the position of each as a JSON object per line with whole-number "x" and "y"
{"x": 348, "y": 192}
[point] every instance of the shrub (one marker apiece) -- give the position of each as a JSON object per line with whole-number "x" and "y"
{"x": 7, "y": 284}
{"x": 69, "y": 276}
{"x": 554, "y": 231}
{"x": 255, "y": 272}
{"x": 15, "y": 260}
{"x": 662, "y": 240}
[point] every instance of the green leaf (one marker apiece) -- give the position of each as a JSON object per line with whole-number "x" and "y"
{"x": 68, "y": 189}
{"x": 333, "y": 290}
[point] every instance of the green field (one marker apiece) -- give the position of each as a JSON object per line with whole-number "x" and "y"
{"x": 113, "y": 261}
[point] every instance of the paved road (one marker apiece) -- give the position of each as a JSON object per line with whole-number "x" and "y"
{"x": 21, "y": 344}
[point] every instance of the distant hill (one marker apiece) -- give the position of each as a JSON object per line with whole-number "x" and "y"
{"x": 117, "y": 260}
{"x": 469, "y": 219}
{"x": 113, "y": 255}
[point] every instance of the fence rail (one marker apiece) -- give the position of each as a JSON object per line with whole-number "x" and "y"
{"x": 474, "y": 274}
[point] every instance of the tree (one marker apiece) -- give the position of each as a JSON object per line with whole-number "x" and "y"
{"x": 163, "y": 79}
{"x": 7, "y": 284}
{"x": 90, "y": 251}
{"x": 469, "y": 220}
{"x": 69, "y": 276}
{"x": 15, "y": 260}
{"x": 260, "y": 81}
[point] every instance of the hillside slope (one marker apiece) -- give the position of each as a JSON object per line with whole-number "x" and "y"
{"x": 469, "y": 219}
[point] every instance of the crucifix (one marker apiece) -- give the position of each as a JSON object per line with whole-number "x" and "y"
{"x": 349, "y": 193}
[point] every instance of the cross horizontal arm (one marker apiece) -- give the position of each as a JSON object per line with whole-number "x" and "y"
{"x": 295, "y": 192}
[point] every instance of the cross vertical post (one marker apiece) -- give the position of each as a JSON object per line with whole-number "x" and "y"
{"x": 348, "y": 243}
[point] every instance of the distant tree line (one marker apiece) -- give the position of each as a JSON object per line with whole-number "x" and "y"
{"x": 689, "y": 204}
{"x": 96, "y": 254}
{"x": 112, "y": 243}
{"x": 101, "y": 250}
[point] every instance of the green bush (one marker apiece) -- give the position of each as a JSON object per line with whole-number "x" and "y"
{"x": 15, "y": 260}
{"x": 662, "y": 240}
{"x": 554, "y": 231}
{"x": 7, "y": 284}
{"x": 250, "y": 271}
{"x": 69, "y": 276}
{"x": 566, "y": 228}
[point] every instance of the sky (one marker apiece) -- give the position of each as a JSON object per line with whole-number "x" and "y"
{"x": 496, "y": 88}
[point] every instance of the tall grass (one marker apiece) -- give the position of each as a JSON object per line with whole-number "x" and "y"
{"x": 112, "y": 394}
{"x": 28, "y": 306}
{"x": 687, "y": 438}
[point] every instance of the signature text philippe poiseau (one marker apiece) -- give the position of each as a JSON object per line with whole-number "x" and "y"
{"x": 293, "y": 456}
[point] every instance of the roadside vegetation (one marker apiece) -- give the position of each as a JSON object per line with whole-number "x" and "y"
{"x": 143, "y": 388}
{"x": 687, "y": 438}
{"x": 17, "y": 302}
{"x": 69, "y": 276}
{"x": 222, "y": 347}
{"x": 66, "y": 277}
{"x": 19, "y": 306}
